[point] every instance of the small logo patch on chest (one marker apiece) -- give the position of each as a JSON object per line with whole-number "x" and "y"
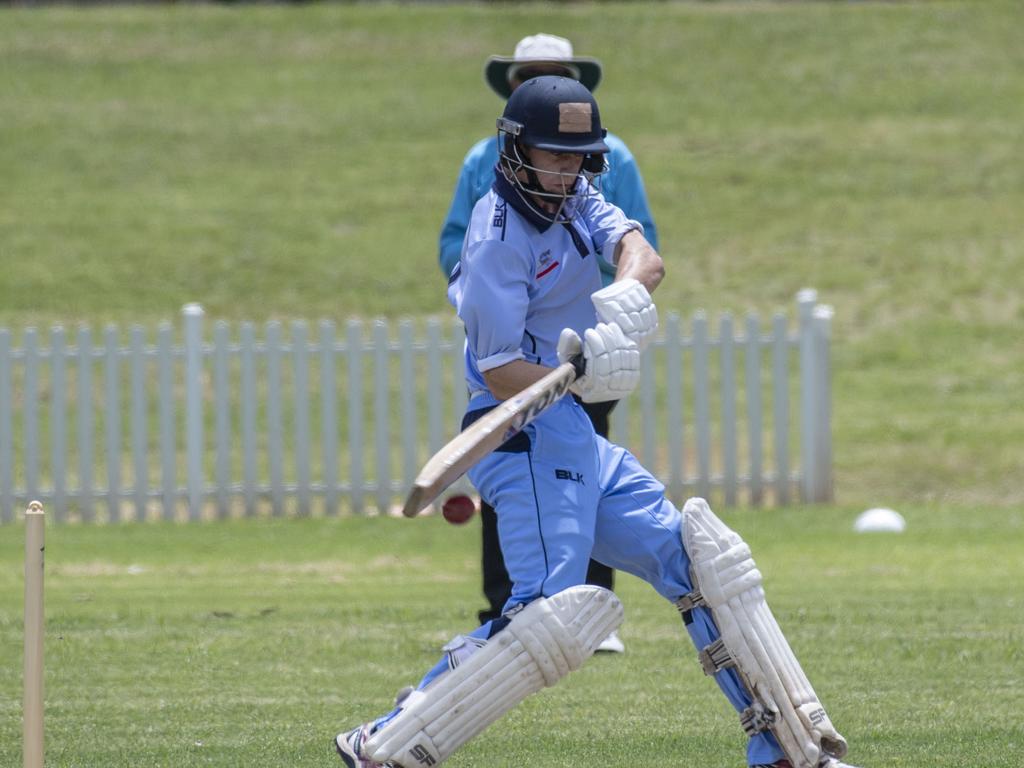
{"x": 545, "y": 263}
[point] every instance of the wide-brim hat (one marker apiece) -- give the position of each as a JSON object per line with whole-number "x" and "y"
{"x": 540, "y": 49}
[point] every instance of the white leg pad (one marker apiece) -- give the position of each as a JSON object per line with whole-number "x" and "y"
{"x": 730, "y": 585}
{"x": 542, "y": 644}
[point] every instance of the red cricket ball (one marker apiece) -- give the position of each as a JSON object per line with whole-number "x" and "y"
{"x": 458, "y": 509}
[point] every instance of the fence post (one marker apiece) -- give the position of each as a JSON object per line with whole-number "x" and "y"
{"x": 168, "y": 445}
{"x": 192, "y": 316}
{"x": 754, "y": 412}
{"x": 275, "y": 417}
{"x": 780, "y": 406}
{"x": 727, "y": 357}
{"x": 382, "y": 412}
{"x": 354, "y": 346}
{"x": 222, "y": 418}
{"x": 112, "y": 423}
{"x": 407, "y": 362}
{"x": 30, "y": 413}
{"x": 823, "y": 436}
{"x": 701, "y": 403}
{"x": 140, "y": 443}
{"x": 806, "y": 300}
{"x": 329, "y": 418}
{"x": 247, "y": 344}
{"x": 85, "y": 425}
{"x": 300, "y": 362}
{"x": 676, "y": 423}
{"x": 58, "y": 423}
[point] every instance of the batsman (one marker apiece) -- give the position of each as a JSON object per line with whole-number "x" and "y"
{"x": 528, "y": 290}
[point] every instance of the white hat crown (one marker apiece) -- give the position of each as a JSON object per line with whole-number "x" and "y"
{"x": 543, "y": 48}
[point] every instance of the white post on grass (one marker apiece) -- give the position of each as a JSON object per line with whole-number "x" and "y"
{"x": 34, "y": 632}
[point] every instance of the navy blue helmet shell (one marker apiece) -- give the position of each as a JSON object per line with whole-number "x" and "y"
{"x": 556, "y": 114}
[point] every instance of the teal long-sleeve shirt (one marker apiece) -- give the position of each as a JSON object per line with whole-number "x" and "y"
{"x": 622, "y": 186}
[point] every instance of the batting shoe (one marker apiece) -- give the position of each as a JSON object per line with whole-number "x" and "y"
{"x": 611, "y": 644}
{"x": 350, "y": 747}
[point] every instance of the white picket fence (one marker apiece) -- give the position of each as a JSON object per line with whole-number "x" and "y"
{"x": 297, "y": 422}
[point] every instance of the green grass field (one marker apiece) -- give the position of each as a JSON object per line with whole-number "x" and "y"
{"x": 296, "y": 162}
{"x": 250, "y": 642}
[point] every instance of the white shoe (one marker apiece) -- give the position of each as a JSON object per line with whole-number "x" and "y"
{"x": 349, "y": 747}
{"x": 611, "y": 644}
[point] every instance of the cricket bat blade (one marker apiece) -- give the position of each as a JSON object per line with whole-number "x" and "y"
{"x": 486, "y": 434}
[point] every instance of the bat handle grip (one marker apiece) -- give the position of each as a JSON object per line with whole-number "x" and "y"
{"x": 579, "y": 364}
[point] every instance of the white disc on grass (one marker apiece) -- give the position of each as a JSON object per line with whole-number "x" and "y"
{"x": 879, "y": 519}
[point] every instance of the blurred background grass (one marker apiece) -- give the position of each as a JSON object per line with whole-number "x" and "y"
{"x": 280, "y": 161}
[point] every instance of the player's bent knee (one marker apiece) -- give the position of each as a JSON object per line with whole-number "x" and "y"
{"x": 727, "y": 582}
{"x": 541, "y": 644}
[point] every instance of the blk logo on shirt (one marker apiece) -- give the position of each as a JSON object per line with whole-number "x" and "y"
{"x": 565, "y": 474}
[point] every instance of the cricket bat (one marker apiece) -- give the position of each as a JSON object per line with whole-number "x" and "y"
{"x": 488, "y": 433}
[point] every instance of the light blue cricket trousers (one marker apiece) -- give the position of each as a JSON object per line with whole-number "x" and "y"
{"x": 563, "y": 494}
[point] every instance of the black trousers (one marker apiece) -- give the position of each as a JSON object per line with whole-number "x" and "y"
{"x": 497, "y": 585}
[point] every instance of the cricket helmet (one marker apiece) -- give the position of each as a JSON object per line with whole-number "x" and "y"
{"x": 557, "y": 114}
{"x": 554, "y": 114}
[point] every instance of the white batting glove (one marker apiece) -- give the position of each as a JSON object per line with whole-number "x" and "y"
{"x": 611, "y": 362}
{"x": 628, "y": 304}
